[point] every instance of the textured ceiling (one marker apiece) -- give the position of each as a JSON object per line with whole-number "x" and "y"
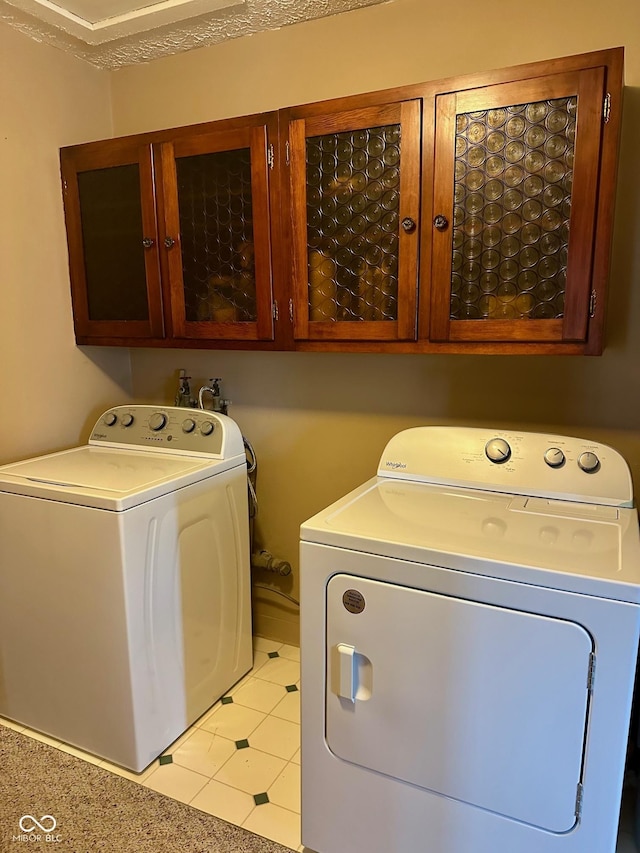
{"x": 113, "y": 33}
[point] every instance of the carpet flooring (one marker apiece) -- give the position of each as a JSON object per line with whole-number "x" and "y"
{"x": 95, "y": 810}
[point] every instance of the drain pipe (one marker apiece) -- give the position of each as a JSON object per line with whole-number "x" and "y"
{"x": 276, "y": 591}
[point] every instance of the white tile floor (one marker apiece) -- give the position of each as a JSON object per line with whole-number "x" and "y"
{"x": 241, "y": 760}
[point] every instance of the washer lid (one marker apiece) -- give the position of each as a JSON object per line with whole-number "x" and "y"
{"x": 107, "y": 478}
{"x": 565, "y": 545}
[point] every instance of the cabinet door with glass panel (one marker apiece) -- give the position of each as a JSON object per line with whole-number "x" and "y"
{"x": 515, "y": 202}
{"x": 355, "y": 178}
{"x": 110, "y": 212}
{"x": 215, "y": 228}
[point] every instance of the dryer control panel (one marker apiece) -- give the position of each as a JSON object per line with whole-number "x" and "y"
{"x": 169, "y": 428}
{"x": 521, "y": 463}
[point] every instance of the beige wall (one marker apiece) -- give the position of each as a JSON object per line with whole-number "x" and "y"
{"x": 320, "y": 421}
{"x": 49, "y": 389}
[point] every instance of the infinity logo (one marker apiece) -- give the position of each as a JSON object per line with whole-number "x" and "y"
{"x": 42, "y": 824}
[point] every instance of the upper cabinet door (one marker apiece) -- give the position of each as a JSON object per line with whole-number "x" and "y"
{"x": 112, "y": 237}
{"x": 216, "y": 230}
{"x": 355, "y": 195}
{"x": 515, "y": 201}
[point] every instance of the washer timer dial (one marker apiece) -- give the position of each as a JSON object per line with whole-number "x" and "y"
{"x": 497, "y": 450}
{"x": 157, "y": 421}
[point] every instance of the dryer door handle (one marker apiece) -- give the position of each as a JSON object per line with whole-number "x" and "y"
{"x": 348, "y": 672}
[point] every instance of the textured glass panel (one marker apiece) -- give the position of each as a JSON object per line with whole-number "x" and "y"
{"x": 216, "y": 231}
{"x": 111, "y": 214}
{"x": 512, "y": 203}
{"x": 353, "y": 196}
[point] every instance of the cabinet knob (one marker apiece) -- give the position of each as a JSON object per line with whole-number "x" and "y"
{"x": 409, "y": 224}
{"x": 148, "y": 242}
{"x": 441, "y": 222}
{"x": 169, "y": 242}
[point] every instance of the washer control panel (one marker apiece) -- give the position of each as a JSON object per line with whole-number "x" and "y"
{"x": 168, "y": 428}
{"x": 523, "y": 463}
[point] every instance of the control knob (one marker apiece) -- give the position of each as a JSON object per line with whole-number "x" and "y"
{"x": 110, "y": 419}
{"x": 127, "y": 419}
{"x": 588, "y": 462}
{"x": 189, "y": 425}
{"x": 157, "y": 421}
{"x": 497, "y": 450}
{"x": 207, "y": 428}
{"x": 554, "y": 457}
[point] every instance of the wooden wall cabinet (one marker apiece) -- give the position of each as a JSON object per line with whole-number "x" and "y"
{"x": 518, "y": 217}
{"x": 169, "y": 235}
{"x": 515, "y": 203}
{"x": 466, "y": 215}
{"x": 354, "y": 178}
{"x": 112, "y": 234}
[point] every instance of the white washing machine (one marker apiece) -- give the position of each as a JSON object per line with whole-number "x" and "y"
{"x": 124, "y": 581}
{"x": 470, "y": 622}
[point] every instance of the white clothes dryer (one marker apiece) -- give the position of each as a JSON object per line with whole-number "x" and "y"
{"x": 469, "y": 631}
{"x": 124, "y": 581}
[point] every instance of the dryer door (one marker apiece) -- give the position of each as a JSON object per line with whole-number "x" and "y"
{"x": 480, "y": 703}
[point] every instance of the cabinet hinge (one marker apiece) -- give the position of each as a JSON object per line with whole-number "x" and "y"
{"x": 276, "y": 315}
{"x": 270, "y": 156}
{"x": 606, "y": 109}
{"x": 291, "y": 310}
{"x": 592, "y": 303}
{"x": 591, "y": 675}
{"x": 579, "y": 800}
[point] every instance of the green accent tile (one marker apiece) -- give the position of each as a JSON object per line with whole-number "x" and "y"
{"x": 274, "y": 655}
{"x": 261, "y": 799}
{"x": 242, "y": 744}
{"x": 227, "y": 700}
{"x": 291, "y": 688}
{"x": 166, "y": 759}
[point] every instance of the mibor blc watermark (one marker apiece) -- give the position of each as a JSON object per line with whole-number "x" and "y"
{"x": 37, "y": 829}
